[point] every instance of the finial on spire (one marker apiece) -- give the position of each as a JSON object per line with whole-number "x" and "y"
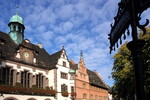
{"x": 62, "y": 47}
{"x": 17, "y": 10}
{"x": 81, "y": 54}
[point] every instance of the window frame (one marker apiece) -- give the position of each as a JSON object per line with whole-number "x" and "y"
{"x": 64, "y": 64}
{"x": 63, "y": 75}
{"x": 64, "y": 88}
{"x": 7, "y": 74}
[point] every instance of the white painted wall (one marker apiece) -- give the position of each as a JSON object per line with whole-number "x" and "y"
{"x": 51, "y": 78}
{"x": 60, "y": 80}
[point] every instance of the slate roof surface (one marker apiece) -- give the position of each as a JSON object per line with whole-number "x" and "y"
{"x": 73, "y": 65}
{"x": 95, "y": 80}
{"x": 53, "y": 59}
{"x": 9, "y": 48}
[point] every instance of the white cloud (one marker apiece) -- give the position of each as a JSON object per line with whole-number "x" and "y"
{"x": 76, "y": 24}
{"x": 67, "y": 26}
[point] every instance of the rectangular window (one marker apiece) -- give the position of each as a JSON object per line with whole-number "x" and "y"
{"x": 64, "y": 64}
{"x": 7, "y": 74}
{"x": 71, "y": 77}
{"x": 39, "y": 81}
{"x": 64, "y": 88}
{"x": 64, "y": 75}
{"x": 25, "y": 79}
{"x": 72, "y": 89}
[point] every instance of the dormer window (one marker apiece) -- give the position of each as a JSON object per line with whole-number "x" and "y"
{"x": 64, "y": 63}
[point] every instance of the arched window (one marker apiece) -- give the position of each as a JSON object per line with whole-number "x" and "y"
{"x": 10, "y": 98}
{"x": 100, "y": 97}
{"x": 47, "y": 99}
{"x": 96, "y": 97}
{"x": 19, "y": 28}
{"x": 14, "y": 27}
{"x": 84, "y": 85}
{"x": 84, "y": 96}
{"x": 91, "y": 97}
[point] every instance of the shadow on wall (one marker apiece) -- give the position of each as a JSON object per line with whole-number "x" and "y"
{"x": 12, "y": 98}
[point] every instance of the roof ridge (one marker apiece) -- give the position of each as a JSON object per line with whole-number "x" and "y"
{"x": 56, "y": 52}
{"x": 98, "y": 74}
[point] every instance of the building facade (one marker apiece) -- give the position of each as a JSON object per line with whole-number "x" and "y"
{"x": 28, "y": 72}
{"x": 88, "y": 84}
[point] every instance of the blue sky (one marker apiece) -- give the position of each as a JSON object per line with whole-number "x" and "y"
{"x": 75, "y": 24}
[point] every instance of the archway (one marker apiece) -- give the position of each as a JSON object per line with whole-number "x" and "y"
{"x": 31, "y": 99}
{"x": 47, "y": 99}
{"x": 10, "y": 98}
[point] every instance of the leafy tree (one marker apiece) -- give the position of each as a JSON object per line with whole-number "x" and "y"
{"x": 123, "y": 70}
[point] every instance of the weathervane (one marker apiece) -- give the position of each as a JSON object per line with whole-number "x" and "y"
{"x": 17, "y": 7}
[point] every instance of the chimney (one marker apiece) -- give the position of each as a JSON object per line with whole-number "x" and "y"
{"x": 39, "y": 45}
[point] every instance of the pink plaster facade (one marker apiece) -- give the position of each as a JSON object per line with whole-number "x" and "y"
{"x": 83, "y": 88}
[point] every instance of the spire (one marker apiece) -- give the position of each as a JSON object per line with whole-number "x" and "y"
{"x": 81, "y": 61}
{"x": 81, "y": 54}
{"x": 16, "y": 27}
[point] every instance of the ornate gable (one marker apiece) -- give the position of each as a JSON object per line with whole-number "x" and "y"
{"x": 82, "y": 67}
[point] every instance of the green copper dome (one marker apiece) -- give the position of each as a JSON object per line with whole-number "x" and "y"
{"x": 16, "y": 18}
{"x": 71, "y": 71}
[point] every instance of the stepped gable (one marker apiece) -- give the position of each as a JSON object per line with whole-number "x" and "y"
{"x": 8, "y": 48}
{"x": 95, "y": 80}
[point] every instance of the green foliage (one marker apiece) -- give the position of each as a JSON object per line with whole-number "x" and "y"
{"x": 123, "y": 69}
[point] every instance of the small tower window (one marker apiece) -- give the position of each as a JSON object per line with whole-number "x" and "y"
{"x": 19, "y": 29}
{"x": 14, "y": 27}
{"x": 11, "y": 27}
